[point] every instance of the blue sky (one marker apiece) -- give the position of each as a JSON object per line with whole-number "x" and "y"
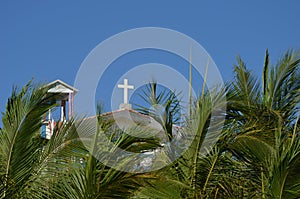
{"x": 49, "y": 40}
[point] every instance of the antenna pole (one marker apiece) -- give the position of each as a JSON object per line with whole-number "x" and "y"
{"x": 190, "y": 82}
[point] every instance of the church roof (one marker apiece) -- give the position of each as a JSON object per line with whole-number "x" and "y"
{"x": 129, "y": 117}
{"x": 132, "y": 116}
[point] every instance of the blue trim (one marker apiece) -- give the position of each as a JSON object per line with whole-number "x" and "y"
{"x": 43, "y": 133}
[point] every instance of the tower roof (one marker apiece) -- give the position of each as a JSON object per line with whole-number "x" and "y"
{"x": 59, "y": 90}
{"x": 59, "y": 86}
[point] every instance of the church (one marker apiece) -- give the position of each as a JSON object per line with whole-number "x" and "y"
{"x": 125, "y": 119}
{"x": 63, "y": 95}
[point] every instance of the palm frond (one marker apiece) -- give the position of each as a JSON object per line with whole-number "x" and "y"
{"x": 21, "y": 126}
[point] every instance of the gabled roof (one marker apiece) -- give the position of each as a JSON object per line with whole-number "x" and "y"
{"x": 127, "y": 118}
{"x": 59, "y": 86}
{"x": 132, "y": 116}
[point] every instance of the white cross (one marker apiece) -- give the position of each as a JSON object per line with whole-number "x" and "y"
{"x": 125, "y": 86}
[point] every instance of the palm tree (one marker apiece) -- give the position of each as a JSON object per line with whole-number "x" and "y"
{"x": 19, "y": 145}
{"x": 29, "y": 163}
{"x": 190, "y": 175}
{"x": 265, "y": 116}
{"x": 257, "y": 154}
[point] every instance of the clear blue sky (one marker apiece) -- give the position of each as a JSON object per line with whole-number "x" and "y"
{"x": 48, "y": 40}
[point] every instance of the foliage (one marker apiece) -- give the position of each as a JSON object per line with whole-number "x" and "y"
{"x": 255, "y": 153}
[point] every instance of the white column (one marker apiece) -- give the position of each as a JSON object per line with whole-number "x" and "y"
{"x": 49, "y": 114}
{"x": 69, "y": 106}
{"x": 61, "y": 113}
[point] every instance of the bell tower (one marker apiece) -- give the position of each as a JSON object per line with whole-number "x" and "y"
{"x": 61, "y": 94}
